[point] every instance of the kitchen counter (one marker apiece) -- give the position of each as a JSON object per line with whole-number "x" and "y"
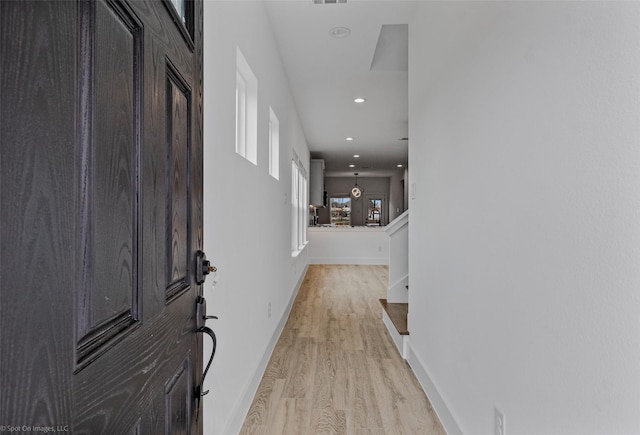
{"x": 345, "y": 228}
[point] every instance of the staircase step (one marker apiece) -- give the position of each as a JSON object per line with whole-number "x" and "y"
{"x": 397, "y": 312}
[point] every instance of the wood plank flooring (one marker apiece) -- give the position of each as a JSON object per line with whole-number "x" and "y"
{"x": 334, "y": 369}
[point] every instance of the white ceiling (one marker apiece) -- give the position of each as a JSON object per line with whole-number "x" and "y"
{"x": 327, "y": 73}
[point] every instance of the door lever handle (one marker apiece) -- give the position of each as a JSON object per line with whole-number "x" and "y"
{"x": 201, "y": 318}
{"x": 198, "y": 390}
{"x": 201, "y": 313}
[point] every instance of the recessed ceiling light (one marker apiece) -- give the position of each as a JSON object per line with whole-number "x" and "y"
{"x": 399, "y": 166}
{"x": 359, "y": 100}
{"x": 356, "y": 155}
{"x": 352, "y": 166}
{"x": 349, "y": 138}
{"x": 340, "y": 32}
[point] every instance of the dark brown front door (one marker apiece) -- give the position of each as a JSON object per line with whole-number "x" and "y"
{"x": 101, "y": 207}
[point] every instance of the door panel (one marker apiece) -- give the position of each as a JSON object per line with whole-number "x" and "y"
{"x": 178, "y": 127}
{"x": 178, "y": 396}
{"x": 129, "y": 382}
{"x": 101, "y": 164}
{"x": 110, "y": 96}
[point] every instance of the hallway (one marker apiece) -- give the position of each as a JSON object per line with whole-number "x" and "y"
{"x": 335, "y": 369}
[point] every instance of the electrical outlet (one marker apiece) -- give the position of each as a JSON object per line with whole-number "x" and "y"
{"x": 269, "y": 311}
{"x": 500, "y": 422}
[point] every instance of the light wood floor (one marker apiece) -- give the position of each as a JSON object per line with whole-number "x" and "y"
{"x": 335, "y": 370}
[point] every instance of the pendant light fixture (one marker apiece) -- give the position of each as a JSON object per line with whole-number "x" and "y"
{"x": 356, "y": 192}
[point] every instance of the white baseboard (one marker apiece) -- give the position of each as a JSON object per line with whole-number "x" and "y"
{"x": 439, "y": 406}
{"x": 243, "y": 405}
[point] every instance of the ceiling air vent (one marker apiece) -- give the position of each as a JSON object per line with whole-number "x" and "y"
{"x": 328, "y": 2}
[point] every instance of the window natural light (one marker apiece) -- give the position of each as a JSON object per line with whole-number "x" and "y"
{"x": 274, "y": 145}
{"x": 299, "y": 208}
{"x": 246, "y": 110}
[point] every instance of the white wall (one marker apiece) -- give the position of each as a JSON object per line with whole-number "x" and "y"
{"x": 247, "y": 217}
{"x": 397, "y": 204}
{"x": 525, "y": 228}
{"x": 398, "y": 232}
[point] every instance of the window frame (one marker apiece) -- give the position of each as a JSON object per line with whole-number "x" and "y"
{"x": 331, "y": 208}
{"x": 241, "y": 115}
{"x": 246, "y": 110}
{"x": 274, "y": 144}
{"x": 299, "y": 207}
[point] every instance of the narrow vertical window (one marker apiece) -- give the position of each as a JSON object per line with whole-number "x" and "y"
{"x": 304, "y": 210}
{"x": 294, "y": 206}
{"x": 241, "y": 115}
{"x": 340, "y": 210}
{"x": 374, "y": 211}
{"x": 246, "y": 110}
{"x": 299, "y": 207}
{"x": 274, "y": 145}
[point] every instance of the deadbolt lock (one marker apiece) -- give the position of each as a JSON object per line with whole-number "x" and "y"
{"x": 203, "y": 267}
